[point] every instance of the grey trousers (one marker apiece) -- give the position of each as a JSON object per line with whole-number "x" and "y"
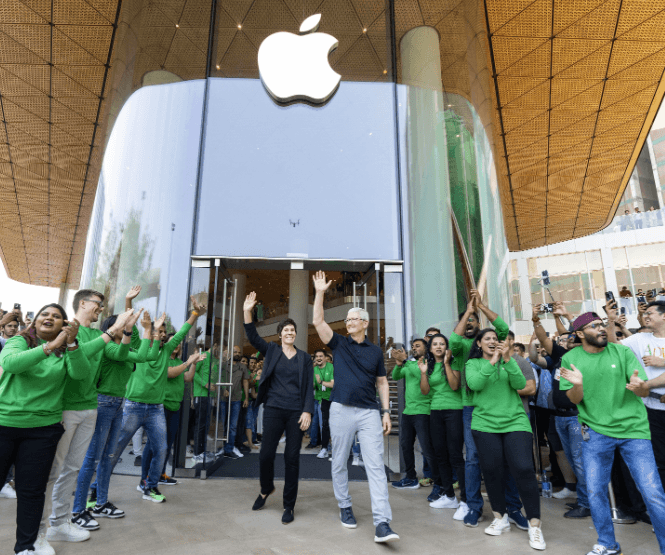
{"x": 345, "y": 421}
{"x": 79, "y": 427}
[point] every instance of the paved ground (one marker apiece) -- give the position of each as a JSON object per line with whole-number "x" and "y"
{"x": 214, "y": 516}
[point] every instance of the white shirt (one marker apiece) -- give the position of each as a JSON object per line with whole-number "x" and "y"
{"x": 645, "y": 344}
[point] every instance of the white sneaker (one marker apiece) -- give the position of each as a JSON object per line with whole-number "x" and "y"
{"x": 444, "y": 502}
{"x": 536, "y": 539}
{"x": 237, "y": 452}
{"x": 7, "y": 491}
{"x": 357, "y": 461}
{"x": 461, "y": 511}
{"x": 282, "y": 439}
{"x": 67, "y": 532}
{"x": 565, "y": 493}
{"x": 323, "y": 453}
{"x": 42, "y": 547}
{"x": 498, "y": 526}
{"x": 26, "y": 552}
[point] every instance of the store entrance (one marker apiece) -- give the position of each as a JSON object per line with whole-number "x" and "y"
{"x": 284, "y": 290}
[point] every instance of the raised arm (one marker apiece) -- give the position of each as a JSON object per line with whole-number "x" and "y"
{"x": 253, "y": 336}
{"x": 460, "y": 328}
{"x": 320, "y": 287}
{"x": 540, "y": 332}
{"x": 534, "y": 355}
{"x": 131, "y": 295}
{"x": 454, "y": 380}
{"x": 489, "y": 314}
{"x": 424, "y": 378}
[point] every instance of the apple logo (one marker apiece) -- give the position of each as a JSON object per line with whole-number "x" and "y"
{"x": 296, "y": 68}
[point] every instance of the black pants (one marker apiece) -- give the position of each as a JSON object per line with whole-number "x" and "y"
{"x": 32, "y": 451}
{"x": 202, "y": 407}
{"x": 447, "y": 432}
{"x": 410, "y": 427}
{"x": 325, "y": 413}
{"x": 241, "y": 436}
{"x": 657, "y": 426}
{"x": 275, "y": 423}
{"x": 515, "y": 449}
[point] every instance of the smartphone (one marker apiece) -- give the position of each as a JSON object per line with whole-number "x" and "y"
{"x": 399, "y": 346}
{"x": 653, "y": 293}
{"x": 609, "y": 296}
{"x": 30, "y": 315}
{"x": 546, "y": 277}
{"x": 623, "y": 310}
{"x": 641, "y": 299}
{"x": 17, "y": 306}
{"x": 549, "y": 307}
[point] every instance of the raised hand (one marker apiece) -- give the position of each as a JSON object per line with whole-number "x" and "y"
{"x": 250, "y": 302}
{"x": 637, "y": 385}
{"x": 476, "y": 298}
{"x": 121, "y": 321}
{"x": 641, "y": 308}
{"x": 558, "y": 308}
{"x": 72, "y": 329}
{"x": 131, "y": 321}
{"x": 422, "y": 364}
{"x": 574, "y": 376}
{"x": 133, "y": 292}
{"x": 399, "y": 355}
{"x": 320, "y": 283}
{"x": 497, "y": 354}
{"x": 622, "y": 321}
{"x": 199, "y": 308}
{"x": 448, "y": 356}
{"x": 146, "y": 321}
{"x": 160, "y": 321}
{"x": 535, "y": 311}
{"x": 611, "y": 309}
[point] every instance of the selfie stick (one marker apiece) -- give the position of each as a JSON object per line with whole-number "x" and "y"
{"x": 552, "y": 297}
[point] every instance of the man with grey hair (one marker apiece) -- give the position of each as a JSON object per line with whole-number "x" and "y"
{"x": 359, "y": 373}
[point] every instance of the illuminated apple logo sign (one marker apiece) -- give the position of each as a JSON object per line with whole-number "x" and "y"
{"x": 295, "y": 67}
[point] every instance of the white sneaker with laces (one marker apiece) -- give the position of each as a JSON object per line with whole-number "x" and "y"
{"x": 26, "y": 552}
{"x": 67, "y": 532}
{"x": 461, "y": 511}
{"x": 237, "y": 452}
{"x": 536, "y": 539}
{"x": 499, "y": 526}
{"x": 444, "y": 502}
{"x": 357, "y": 461}
{"x": 323, "y": 453}
{"x": 7, "y": 491}
{"x": 565, "y": 493}
{"x": 602, "y": 550}
{"x": 42, "y": 547}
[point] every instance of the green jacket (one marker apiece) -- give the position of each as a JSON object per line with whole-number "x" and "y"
{"x": 114, "y": 374}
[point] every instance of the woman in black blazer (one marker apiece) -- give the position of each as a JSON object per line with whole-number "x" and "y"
{"x": 286, "y": 389}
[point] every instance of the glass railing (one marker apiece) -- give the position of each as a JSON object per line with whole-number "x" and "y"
{"x": 636, "y": 220}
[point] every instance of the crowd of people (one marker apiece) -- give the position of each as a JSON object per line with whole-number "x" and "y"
{"x": 73, "y": 397}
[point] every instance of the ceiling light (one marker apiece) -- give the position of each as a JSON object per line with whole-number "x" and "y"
{"x": 450, "y": 105}
{"x": 385, "y": 71}
{"x": 365, "y": 30}
{"x": 177, "y": 26}
{"x": 239, "y": 26}
{"x": 217, "y": 66}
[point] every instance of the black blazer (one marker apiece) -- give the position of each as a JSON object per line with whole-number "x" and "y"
{"x": 272, "y": 351}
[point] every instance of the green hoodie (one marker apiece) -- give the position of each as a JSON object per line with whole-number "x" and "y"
{"x": 114, "y": 374}
{"x": 202, "y": 374}
{"x": 147, "y": 384}
{"x": 414, "y": 401}
{"x": 32, "y": 385}
{"x": 175, "y": 387}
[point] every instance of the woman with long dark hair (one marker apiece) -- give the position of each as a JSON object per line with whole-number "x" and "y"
{"x": 35, "y": 363}
{"x": 286, "y": 390}
{"x": 502, "y": 432}
{"x": 446, "y": 424}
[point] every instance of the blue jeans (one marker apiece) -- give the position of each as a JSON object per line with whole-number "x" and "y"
{"x": 315, "y": 428}
{"x": 172, "y": 418}
{"x": 101, "y": 452}
{"x": 233, "y": 422}
{"x": 473, "y": 476}
{"x": 638, "y": 456}
{"x": 570, "y": 433}
{"x": 151, "y": 417}
{"x": 255, "y": 419}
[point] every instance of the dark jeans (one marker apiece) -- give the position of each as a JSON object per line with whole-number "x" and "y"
{"x": 202, "y": 407}
{"x": 275, "y": 423}
{"x": 447, "y": 433}
{"x": 325, "y": 417}
{"x": 32, "y": 451}
{"x": 241, "y": 426}
{"x": 515, "y": 449}
{"x": 657, "y": 426}
{"x": 172, "y": 426}
{"x": 410, "y": 427}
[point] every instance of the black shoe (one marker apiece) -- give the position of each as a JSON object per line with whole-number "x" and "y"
{"x": 261, "y": 501}
{"x": 131, "y": 452}
{"x": 287, "y": 517}
{"x": 572, "y": 505}
{"x": 259, "y": 437}
{"x": 384, "y": 534}
{"x": 244, "y": 449}
{"x": 138, "y": 461}
{"x": 230, "y": 455}
{"x": 579, "y": 512}
{"x": 310, "y": 446}
{"x": 347, "y": 518}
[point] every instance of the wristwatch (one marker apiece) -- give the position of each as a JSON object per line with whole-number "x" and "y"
{"x": 385, "y": 411}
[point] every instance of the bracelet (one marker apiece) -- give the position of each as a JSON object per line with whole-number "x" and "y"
{"x": 111, "y": 335}
{"x": 126, "y": 333}
{"x": 46, "y": 350}
{"x": 72, "y": 345}
{"x": 194, "y": 312}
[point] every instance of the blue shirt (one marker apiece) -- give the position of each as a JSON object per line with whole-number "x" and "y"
{"x": 357, "y": 365}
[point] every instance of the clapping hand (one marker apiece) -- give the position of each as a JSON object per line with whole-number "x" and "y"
{"x": 160, "y": 321}
{"x": 399, "y": 355}
{"x": 131, "y": 321}
{"x": 72, "y": 329}
{"x": 146, "y": 321}
{"x": 637, "y": 385}
{"x": 574, "y": 376}
{"x": 422, "y": 364}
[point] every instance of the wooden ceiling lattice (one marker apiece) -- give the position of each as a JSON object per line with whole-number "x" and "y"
{"x": 566, "y": 90}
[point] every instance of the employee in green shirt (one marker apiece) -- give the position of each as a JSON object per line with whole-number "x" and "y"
{"x": 606, "y": 382}
{"x": 324, "y": 376}
{"x": 502, "y": 432}
{"x": 446, "y": 425}
{"x": 36, "y": 364}
{"x": 415, "y": 417}
{"x": 205, "y": 378}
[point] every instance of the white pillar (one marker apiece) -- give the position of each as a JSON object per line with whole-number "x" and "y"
{"x": 63, "y": 295}
{"x": 298, "y": 301}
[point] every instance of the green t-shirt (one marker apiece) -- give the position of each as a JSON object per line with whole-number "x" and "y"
{"x": 32, "y": 385}
{"x": 443, "y": 396}
{"x": 147, "y": 384}
{"x": 460, "y": 347}
{"x": 327, "y": 373}
{"x": 499, "y": 407}
{"x": 607, "y": 407}
{"x": 202, "y": 374}
{"x": 414, "y": 401}
{"x": 115, "y": 374}
{"x": 175, "y": 388}
{"x": 82, "y": 394}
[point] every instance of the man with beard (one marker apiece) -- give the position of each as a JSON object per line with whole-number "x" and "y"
{"x": 324, "y": 382}
{"x": 605, "y": 381}
{"x": 239, "y": 380}
{"x": 9, "y": 326}
{"x": 461, "y": 341}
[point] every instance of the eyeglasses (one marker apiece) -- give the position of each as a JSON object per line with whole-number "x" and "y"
{"x": 597, "y": 325}
{"x": 353, "y": 320}
{"x": 471, "y": 320}
{"x": 100, "y": 304}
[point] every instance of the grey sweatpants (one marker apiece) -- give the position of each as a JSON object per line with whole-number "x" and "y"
{"x": 345, "y": 421}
